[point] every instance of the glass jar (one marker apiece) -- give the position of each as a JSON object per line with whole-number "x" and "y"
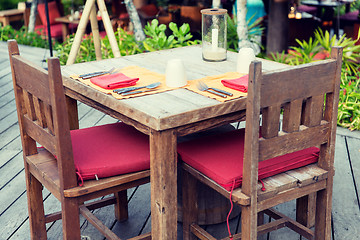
{"x": 214, "y": 31}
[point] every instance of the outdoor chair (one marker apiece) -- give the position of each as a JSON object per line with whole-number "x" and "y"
{"x": 55, "y": 27}
{"x": 270, "y": 161}
{"x": 75, "y": 166}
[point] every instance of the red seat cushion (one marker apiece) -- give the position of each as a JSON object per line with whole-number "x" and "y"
{"x": 220, "y": 157}
{"x": 109, "y": 150}
{"x": 55, "y": 29}
{"x": 53, "y": 12}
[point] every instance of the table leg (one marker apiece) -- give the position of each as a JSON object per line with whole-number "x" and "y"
{"x": 6, "y": 21}
{"x": 65, "y": 30}
{"x": 163, "y": 177}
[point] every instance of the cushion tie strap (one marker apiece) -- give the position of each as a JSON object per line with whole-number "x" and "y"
{"x": 231, "y": 208}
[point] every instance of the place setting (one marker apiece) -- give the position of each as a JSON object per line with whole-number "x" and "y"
{"x": 226, "y": 86}
{"x": 127, "y": 82}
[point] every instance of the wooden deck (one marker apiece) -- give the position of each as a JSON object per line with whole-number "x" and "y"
{"x": 13, "y": 206}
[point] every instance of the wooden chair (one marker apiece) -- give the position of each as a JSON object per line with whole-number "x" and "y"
{"x": 64, "y": 155}
{"x": 293, "y": 161}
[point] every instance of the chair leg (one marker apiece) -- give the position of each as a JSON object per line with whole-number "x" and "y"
{"x": 35, "y": 207}
{"x": 189, "y": 204}
{"x": 323, "y": 215}
{"x": 70, "y": 218}
{"x": 261, "y": 221}
{"x": 305, "y": 210}
{"x": 121, "y": 206}
{"x": 249, "y": 222}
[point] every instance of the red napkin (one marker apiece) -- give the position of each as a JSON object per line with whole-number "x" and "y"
{"x": 240, "y": 84}
{"x": 113, "y": 81}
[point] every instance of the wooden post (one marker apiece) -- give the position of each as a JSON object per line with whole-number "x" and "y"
{"x": 89, "y": 5}
{"x": 96, "y": 34}
{"x": 108, "y": 28}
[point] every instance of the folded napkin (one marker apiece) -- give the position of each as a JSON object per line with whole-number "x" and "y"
{"x": 240, "y": 84}
{"x": 113, "y": 81}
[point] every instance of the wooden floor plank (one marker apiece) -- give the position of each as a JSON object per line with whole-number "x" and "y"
{"x": 346, "y": 213}
{"x": 354, "y": 151}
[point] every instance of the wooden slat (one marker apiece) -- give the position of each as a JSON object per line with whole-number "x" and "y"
{"x": 292, "y": 116}
{"x": 275, "y": 184}
{"x": 39, "y": 86}
{"x": 270, "y": 121}
{"x": 97, "y": 223}
{"x": 91, "y": 206}
{"x": 313, "y": 111}
{"x": 145, "y": 236}
{"x": 92, "y": 186}
{"x": 290, "y": 195}
{"x": 308, "y": 174}
{"x": 307, "y": 137}
{"x": 290, "y": 223}
{"x": 208, "y": 124}
{"x": 304, "y": 82}
{"x": 40, "y": 135}
{"x": 45, "y": 161}
{"x": 299, "y": 177}
{"x": 238, "y": 196}
{"x": 49, "y": 118}
{"x": 40, "y": 114}
{"x": 201, "y": 233}
{"x": 29, "y": 104}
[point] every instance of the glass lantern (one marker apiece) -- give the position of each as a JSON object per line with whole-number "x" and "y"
{"x": 214, "y": 30}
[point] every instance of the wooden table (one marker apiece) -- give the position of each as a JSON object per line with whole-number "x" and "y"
{"x": 326, "y": 9}
{"x": 8, "y": 16}
{"x": 163, "y": 116}
{"x": 66, "y": 22}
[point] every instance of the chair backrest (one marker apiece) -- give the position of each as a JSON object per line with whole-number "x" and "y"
{"x": 42, "y": 113}
{"x": 307, "y": 96}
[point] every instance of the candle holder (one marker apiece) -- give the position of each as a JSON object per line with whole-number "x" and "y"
{"x": 214, "y": 30}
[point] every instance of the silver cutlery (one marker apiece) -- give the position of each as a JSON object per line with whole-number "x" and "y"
{"x": 136, "y": 92}
{"x": 129, "y": 89}
{"x": 202, "y": 87}
{"x": 215, "y": 89}
{"x": 95, "y": 74}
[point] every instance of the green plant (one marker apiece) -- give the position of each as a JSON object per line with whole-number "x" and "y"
{"x": 255, "y": 31}
{"x": 280, "y": 57}
{"x": 351, "y": 51}
{"x": 126, "y": 42}
{"x": 9, "y": 4}
{"x": 24, "y": 37}
{"x": 349, "y": 100}
{"x": 157, "y": 39}
{"x": 305, "y": 53}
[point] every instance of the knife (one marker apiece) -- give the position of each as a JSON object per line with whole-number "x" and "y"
{"x": 88, "y": 74}
{"x": 221, "y": 91}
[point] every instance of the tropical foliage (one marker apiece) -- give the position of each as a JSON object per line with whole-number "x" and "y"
{"x": 156, "y": 39}
{"x": 22, "y": 36}
{"x": 320, "y": 48}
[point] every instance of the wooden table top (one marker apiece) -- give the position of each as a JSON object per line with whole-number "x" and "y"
{"x": 169, "y": 109}
{"x": 11, "y": 12}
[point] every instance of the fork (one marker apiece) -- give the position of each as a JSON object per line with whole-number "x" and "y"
{"x": 203, "y": 87}
{"x": 216, "y": 89}
{"x": 95, "y": 74}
